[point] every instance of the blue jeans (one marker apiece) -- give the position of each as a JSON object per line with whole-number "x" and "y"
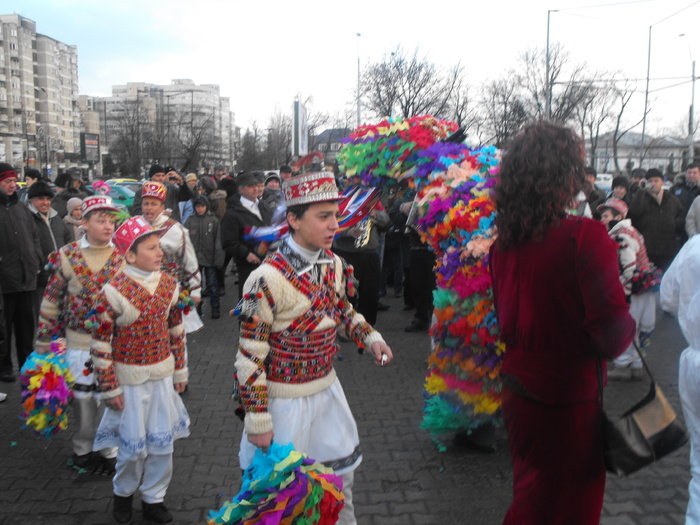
{"x": 212, "y": 283}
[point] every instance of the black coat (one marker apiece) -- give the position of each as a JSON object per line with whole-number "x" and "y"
{"x": 20, "y": 254}
{"x": 52, "y": 237}
{"x": 236, "y": 223}
{"x": 658, "y": 223}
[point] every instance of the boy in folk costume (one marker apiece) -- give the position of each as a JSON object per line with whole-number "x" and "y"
{"x": 291, "y": 309}
{"x": 179, "y": 257}
{"x": 638, "y": 277}
{"x": 139, "y": 355}
{"x": 81, "y": 269}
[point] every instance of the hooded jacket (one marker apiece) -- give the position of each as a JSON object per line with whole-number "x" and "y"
{"x": 53, "y": 234}
{"x": 20, "y": 253}
{"x": 205, "y": 236}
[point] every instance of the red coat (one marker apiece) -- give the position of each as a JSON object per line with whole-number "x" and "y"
{"x": 560, "y": 305}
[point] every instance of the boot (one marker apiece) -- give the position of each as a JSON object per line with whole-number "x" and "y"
{"x": 121, "y": 509}
{"x": 156, "y": 513}
{"x": 215, "y": 313}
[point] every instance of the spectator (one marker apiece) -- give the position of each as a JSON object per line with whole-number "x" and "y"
{"x": 561, "y": 308}
{"x": 64, "y": 181}
{"x": 680, "y": 296}
{"x": 203, "y": 227}
{"x": 637, "y": 181}
{"x": 686, "y": 189}
{"x": 244, "y": 212}
{"x": 187, "y": 207}
{"x": 30, "y": 177}
{"x": 74, "y": 219}
{"x": 659, "y": 216}
{"x": 177, "y": 190}
{"x": 53, "y": 234}
{"x": 620, "y": 189}
{"x": 594, "y": 195}
{"x": 285, "y": 173}
{"x": 272, "y": 194}
{"x": 692, "y": 220}
{"x": 20, "y": 256}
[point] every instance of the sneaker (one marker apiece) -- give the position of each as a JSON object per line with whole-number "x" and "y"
{"x": 215, "y": 313}
{"x": 121, "y": 509}
{"x": 625, "y": 373}
{"x": 156, "y": 513}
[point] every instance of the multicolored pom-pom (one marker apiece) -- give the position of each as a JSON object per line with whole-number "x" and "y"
{"x": 46, "y": 396}
{"x": 283, "y": 486}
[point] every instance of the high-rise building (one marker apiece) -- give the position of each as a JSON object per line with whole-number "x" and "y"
{"x": 39, "y": 119}
{"x": 181, "y": 124}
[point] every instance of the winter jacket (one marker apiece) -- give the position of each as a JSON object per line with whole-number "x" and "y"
{"x": 658, "y": 223}
{"x": 217, "y": 203}
{"x": 206, "y": 238}
{"x": 60, "y": 201}
{"x": 631, "y": 252}
{"x": 686, "y": 193}
{"x": 692, "y": 220}
{"x": 53, "y": 234}
{"x": 236, "y": 224}
{"x": 20, "y": 253}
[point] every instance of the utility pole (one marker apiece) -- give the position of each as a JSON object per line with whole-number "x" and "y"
{"x": 359, "y": 120}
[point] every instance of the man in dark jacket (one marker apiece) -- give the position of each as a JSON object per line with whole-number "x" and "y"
{"x": 20, "y": 257}
{"x": 659, "y": 216}
{"x": 206, "y": 240}
{"x": 244, "y": 213}
{"x": 53, "y": 234}
{"x": 177, "y": 190}
{"x": 687, "y": 189}
{"x": 68, "y": 191}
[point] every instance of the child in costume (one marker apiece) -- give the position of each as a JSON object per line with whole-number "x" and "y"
{"x": 639, "y": 279}
{"x": 139, "y": 356}
{"x": 179, "y": 257}
{"x": 81, "y": 268}
{"x": 291, "y": 309}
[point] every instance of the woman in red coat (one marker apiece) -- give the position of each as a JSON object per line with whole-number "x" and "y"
{"x": 561, "y": 308}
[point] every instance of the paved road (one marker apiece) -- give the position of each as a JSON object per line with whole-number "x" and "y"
{"x": 403, "y": 479}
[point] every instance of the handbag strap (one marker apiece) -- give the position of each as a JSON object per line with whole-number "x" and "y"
{"x": 600, "y": 369}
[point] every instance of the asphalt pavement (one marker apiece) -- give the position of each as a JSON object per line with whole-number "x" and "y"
{"x": 404, "y": 478}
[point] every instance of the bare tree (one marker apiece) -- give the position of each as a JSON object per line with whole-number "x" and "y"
{"x": 568, "y": 81}
{"x": 405, "y": 85}
{"x": 278, "y": 145}
{"x": 192, "y": 133}
{"x": 504, "y": 112}
{"x": 464, "y": 111}
{"x": 126, "y": 139}
{"x": 623, "y": 95}
{"x": 596, "y": 111}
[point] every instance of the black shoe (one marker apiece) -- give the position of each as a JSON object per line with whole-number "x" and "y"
{"x": 416, "y": 326}
{"x": 222, "y": 291}
{"x": 121, "y": 509}
{"x": 382, "y": 293}
{"x": 215, "y": 313}
{"x": 83, "y": 463}
{"x": 199, "y": 309}
{"x": 408, "y": 307}
{"x": 205, "y": 292}
{"x": 398, "y": 294}
{"x": 7, "y": 377}
{"x": 105, "y": 466}
{"x": 382, "y": 307}
{"x": 156, "y": 513}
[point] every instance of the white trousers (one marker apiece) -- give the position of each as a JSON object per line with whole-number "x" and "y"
{"x": 347, "y": 515}
{"x": 150, "y": 475}
{"x": 643, "y": 311}
{"x": 689, "y": 387}
{"x": 88, "y": 414}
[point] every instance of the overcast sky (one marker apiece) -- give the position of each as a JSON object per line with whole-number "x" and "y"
{"x": 263, "y": 53}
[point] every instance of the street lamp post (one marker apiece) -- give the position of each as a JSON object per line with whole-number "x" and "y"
{"x": 358, "y": 80}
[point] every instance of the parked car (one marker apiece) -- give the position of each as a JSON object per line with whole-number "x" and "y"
{"x": 120, "y": 181}
{"x": 604, "y": 181}
{"x": 121, "y": 195}
{"x": 134, "y": 186}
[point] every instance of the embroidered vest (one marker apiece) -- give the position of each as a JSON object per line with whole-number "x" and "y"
{"x": 146, "y": 341}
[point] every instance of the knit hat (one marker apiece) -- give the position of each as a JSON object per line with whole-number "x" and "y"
{"x": 130, "y": 231}
{"x": 63, "y": 180}
{"x": 310, "y": 188}
{"x": 168, "y": 169}
{"x": 272, "y": 176}
{"x": 155, "y": 190}
{"x": 155, "y": 168}
{"x": 7, "y": 171}
{"x": 653, "y": 172}
{"x": 615, "y": 204}
{"x": 40, "y": 189}
{"x": 96, "y": 202}
{"x": 621, "y": 181}
{"x": 190, "y": 177}
{"x": 246, "y": 179}
{"x": 73, "y": 203}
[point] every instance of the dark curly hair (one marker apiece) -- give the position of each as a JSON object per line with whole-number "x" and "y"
{"x": 541, "y": 172}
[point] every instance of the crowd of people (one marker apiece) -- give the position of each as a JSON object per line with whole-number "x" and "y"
{"x": 125, "y": 297}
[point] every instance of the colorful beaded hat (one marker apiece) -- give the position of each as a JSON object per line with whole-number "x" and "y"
{"x": 97, "y": 202}
{"x": 131, "y": 230}
{"x": 310, "y": 188}
{"x": 154, "y": 190}
{"x": 618, "y": 205}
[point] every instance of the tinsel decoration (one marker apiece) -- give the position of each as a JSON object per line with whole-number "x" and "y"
{"x": 46, "y": 390}
{"x": 456, "y": 220}
{"x": 283, "y": 486}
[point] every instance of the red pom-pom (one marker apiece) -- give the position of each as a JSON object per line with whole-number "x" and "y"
{"x": 258, "y": 295}
{"x": 105, "y": 325}
{"x": 101, "y": 309}
{"x": 86, "y": 372}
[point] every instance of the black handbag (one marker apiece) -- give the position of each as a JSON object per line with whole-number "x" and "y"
{"x": 645, "y": 433}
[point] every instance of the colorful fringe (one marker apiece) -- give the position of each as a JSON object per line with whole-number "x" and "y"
{"x": 46, "y": 394}
{"x": 284, "y": 487}
{"x": 456, "y": 219}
